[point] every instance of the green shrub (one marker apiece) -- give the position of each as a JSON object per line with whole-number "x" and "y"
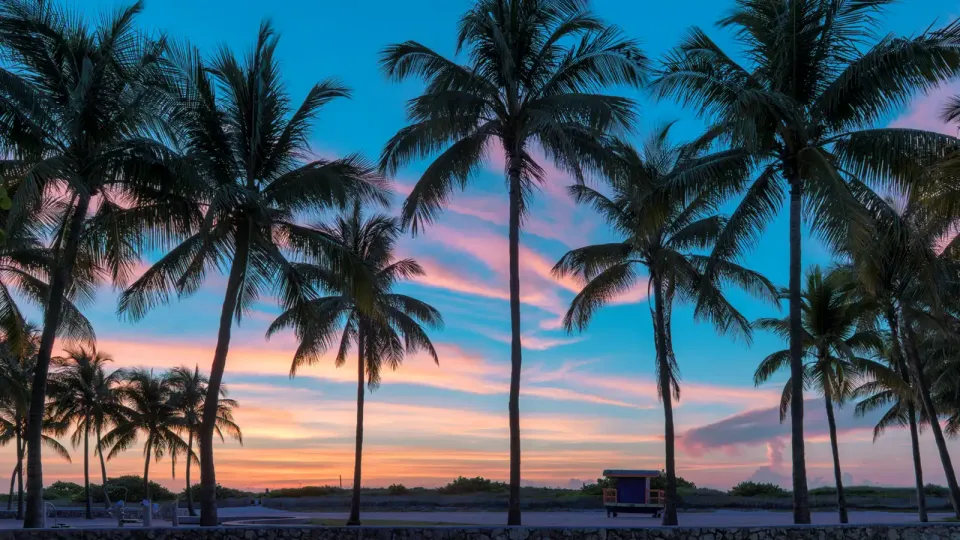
{"x": 306, "y": 491}
{"x": 660, "y": 482}
{"x": 222, "y": 493}
{"x": 63, "y": 491}
{"x": 397, "y": 489}
{"x": 134, "y": 490}
{"x": 479, "y": 484}
{"x": 596, "y": 489}
{"x": 758, "y": 489}
{"x": 936, "y": 491}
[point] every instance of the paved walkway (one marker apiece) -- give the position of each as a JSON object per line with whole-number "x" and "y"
{"x": 719, "y": 518}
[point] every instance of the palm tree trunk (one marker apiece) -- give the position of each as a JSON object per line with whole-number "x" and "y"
{"x": 931, "y": 411}
{"x": 516, "y": 360}
{"x": 86, "y": 467}
{"x": 13, "y": 479}
{"x": 51, "y": 321}
{"x": 146, "y": 470}
{"x": 354, "y": 518}
{"x": 837, "y": 476}
{"x": 911, "y": 410}
{"x": 663, "y": 367}
{"x": 103, "y": 470}
{"x": 917, "y": 466}
{"x": 20, "y": 451}
{"x": 208, "y": 476}
{"x": 801, "y": 503}
{"x": 189, "y": 458}
{"x": 17, "y": 467}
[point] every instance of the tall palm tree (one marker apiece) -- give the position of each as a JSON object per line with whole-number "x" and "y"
{"x": 532, "y": 82}
{"x": 17, "y": 364}
{"x": 662, "y": 234}
{"x": 805, "y": 107}
{"x": 251, "y": 149}
{"x": 148, "y": 410}
{"x": 836, "y": 340}
{"x": 84, "y": 395}
{"x": 383, "y": 335}
{"x": 899, "y": 400}
{"x": 189, "y": 395}
{"x": 78, "y": 106}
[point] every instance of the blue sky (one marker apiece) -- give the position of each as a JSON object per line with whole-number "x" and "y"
{"x": 589, "y": 402}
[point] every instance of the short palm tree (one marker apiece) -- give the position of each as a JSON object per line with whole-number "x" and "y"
{"x": 910, "y": 270}
{"x": 189, "y": 395}
{"x": 147, "y": 409}
{"x": 250, "y": 147}
{"x": 17, "y": 365}
{"x": 805, "y": 107}
{"x": 78, "y": 106}
{"x": 837, "y": 338}
{"x": 887, "y": 268}
{"x": 395, "y": 327}
{"x": 663, "y": 235}
{"x": 901, "y": 405}
{"x": 532, "y": 82}
{"x": 84, "y": 395}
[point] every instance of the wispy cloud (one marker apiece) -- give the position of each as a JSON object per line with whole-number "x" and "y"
{"x": 459, "y": 370}
{"x": 539, "y": 288}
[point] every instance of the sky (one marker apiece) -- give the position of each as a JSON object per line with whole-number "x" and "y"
{"x": 588, "y": 401}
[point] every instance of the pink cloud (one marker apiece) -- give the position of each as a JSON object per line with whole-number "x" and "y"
{"x": 925, "y": 110}
{"x": 441, "y": 277}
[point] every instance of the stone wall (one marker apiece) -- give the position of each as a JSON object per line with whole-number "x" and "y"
{"x": 808, "y": 532}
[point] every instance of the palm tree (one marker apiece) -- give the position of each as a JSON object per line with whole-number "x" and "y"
{"x": 147, "y": 409}
{"x": 24, "y": 268}
{"x": 17, "y": 364}
{"x": 382, "y": 336}
{"x": 662, "y": 234}
{"x": 886, "y": 268}
{"x": 910, "y": 273}
{"x": 901, "y": 410}
{"x": 804, "y": 108}
{"x": 535, "y": 71}
{"x": 249, "y": 146}
{"x": 82, "y": 127}
{"x": 84, "y": 395}
{"x": 836, "y": 336}
{"x": 189, "y": 394}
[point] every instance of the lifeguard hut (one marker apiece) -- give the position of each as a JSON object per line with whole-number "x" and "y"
{"x": 632, "y": 494}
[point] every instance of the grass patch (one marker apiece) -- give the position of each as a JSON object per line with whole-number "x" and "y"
{"x": 385, "y": 523}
